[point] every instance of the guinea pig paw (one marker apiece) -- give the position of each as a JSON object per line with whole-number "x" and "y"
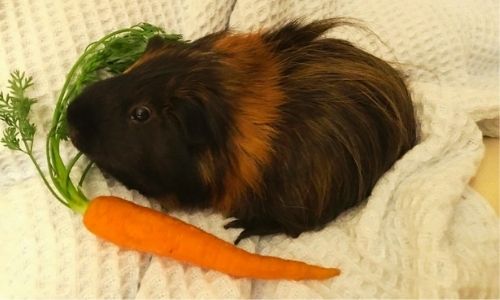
{"x": 237, "y": 223}
{"x": 252, "y": 228}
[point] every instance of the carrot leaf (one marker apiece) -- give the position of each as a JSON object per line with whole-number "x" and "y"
{"x": 14, "y": 110}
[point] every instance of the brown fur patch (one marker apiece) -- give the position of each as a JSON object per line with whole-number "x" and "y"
{"x": 147, "y": 56}
{"x": 254, "y": 85}
{"x": 207, "y": 168}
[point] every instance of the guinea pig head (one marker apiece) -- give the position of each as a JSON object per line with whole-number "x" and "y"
{"x": 147, "y": 126}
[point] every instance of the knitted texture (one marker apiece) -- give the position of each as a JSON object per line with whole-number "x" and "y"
{"x": 422, "y": 233}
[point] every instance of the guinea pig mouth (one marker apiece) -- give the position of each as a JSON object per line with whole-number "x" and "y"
{"x": 77, "y": 140}
{"x": 74, "y": 136}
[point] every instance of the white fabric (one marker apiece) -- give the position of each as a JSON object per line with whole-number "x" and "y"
{"x": 423, "y": 232}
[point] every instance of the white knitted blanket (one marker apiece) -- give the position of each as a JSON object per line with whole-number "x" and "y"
{"x": 423, "y": 232}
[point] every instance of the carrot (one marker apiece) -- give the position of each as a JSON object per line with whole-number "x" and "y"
{"x": 135, "y": 227}
{"x": 114, "y": 219}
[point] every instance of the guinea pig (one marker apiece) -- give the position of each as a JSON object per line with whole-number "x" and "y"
{"x": 281, "y": 129}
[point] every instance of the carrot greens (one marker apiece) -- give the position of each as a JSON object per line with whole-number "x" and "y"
{"x": 14, "y": 109}
{"x": 108, "y": 56}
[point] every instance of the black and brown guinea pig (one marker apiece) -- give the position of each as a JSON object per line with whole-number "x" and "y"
{"x": 281, "y": 129}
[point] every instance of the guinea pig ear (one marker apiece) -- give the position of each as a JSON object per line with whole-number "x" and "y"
{"x": 155, "y": 43}
{"x": 193, "y": 121}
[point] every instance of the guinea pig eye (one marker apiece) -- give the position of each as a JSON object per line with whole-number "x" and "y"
{"x": 140, "y": 114}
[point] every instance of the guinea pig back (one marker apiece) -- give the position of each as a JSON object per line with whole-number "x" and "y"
{"x": 282, "y": 129}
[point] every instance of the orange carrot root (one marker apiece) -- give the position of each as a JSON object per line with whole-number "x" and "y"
{"x": 143, "y": 229}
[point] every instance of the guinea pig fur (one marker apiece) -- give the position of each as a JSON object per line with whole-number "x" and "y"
{"x": 281, "y": 129}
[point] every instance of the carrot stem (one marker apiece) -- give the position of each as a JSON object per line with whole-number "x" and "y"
{"x": 39, "y": 170}
{"x": 84, "y": 174}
